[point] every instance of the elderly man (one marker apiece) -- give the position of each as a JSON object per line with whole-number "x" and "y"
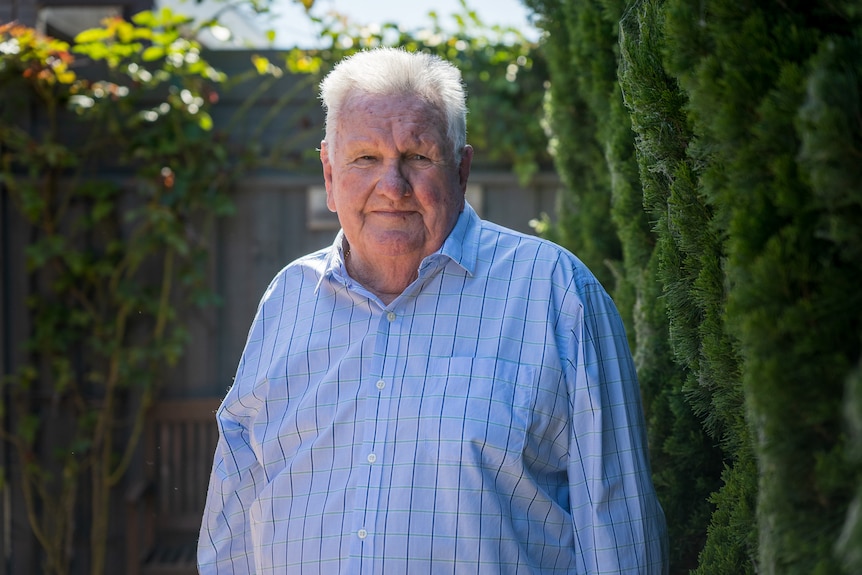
{"x": 432, "y": 393}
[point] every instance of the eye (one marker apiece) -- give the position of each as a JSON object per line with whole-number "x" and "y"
{"x": 364, "y": 160}
{"x": 419, "y": 158}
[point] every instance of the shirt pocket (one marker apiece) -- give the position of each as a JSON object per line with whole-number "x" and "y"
{"x": 476, "y": 411}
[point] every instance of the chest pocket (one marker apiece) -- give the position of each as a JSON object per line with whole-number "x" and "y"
{"x": 476, "y": 411}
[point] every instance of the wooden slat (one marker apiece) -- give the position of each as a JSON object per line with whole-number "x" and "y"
{"x": 183, "y": 435}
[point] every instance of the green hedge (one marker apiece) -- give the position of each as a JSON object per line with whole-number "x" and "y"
{"x": 722, "y": 139}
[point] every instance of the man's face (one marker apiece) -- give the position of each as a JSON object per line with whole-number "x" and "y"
{"x": 391, "y": 177}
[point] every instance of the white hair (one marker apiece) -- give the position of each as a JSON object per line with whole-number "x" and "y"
{"x": 394, "y": 71}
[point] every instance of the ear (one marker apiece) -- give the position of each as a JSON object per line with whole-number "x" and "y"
{"x": 327, "y": 175}
{"x": 464, "y": 167}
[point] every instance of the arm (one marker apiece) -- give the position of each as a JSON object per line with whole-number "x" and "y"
{"x": 619, "y": 524}
{"x": 225, "y": 546}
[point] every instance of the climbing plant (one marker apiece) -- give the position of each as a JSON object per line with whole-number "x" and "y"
{"x": 118, "y": 176}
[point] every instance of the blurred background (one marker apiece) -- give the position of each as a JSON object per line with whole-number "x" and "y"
{"x": 158, "y": 166}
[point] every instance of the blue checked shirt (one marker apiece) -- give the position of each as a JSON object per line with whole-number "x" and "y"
{"x": 486, "y": 421}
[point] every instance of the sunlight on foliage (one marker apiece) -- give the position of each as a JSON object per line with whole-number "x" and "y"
{"x": 505, "y": 73}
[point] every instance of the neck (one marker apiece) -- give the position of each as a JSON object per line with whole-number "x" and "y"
{"x": 386, "y": 281}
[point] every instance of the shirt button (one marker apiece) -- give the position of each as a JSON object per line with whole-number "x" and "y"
{"x": 372, "y": 458}
{"x": 362, "y": 533}
{"x": 381, "y": 384}
{"x": 391, "y": 316}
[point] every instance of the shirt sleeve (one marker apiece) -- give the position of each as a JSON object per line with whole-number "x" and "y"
{"x": 225, "y": 545}
{"x": 618, "y": 522}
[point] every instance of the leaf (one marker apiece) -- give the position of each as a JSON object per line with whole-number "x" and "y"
{"x": 96, "y": 50}
{"x": 205, "y": 121}
{"x": 153, "y": 53}
{"x": 125, "y": 32}
{"x": 67, "y": 77}
{"x": 142, "y": 34}
{"x": 146, "y": 18}
{"x": 93, "y": 35}
{"x": 260, "y": 63}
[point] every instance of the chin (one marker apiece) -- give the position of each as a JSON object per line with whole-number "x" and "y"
{"x": 396, "y": 244}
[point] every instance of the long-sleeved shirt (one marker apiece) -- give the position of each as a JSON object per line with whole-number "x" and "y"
{"x": 488, "y": 420}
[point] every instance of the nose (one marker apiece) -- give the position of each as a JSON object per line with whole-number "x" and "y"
{"x": 394, "y": 180}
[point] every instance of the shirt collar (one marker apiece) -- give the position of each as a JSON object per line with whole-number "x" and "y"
{"x": 461, "y": 246}
{"x": 333, "y": 266}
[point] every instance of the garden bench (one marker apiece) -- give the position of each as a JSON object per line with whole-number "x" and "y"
{"x": 164, "y": 507}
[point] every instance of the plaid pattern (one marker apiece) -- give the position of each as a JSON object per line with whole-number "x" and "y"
{"x": 486, "y": 421}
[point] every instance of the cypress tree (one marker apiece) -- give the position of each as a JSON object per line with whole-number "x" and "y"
{"x": 678, "y": 444}
{"x": 831, "y": 145}
{"x": 747, "y": 129}
{"x": 685, "y": 249}
{"x": 583, "y": 216}
{"x": 744, "y": 69}
{"x": 850, "y": 543}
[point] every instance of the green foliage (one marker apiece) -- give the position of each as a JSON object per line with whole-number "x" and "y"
{"x": 574, "y": 107}
{"x": 505, "y": 74}
{"x": 603, "y": 211}
{"x": 830, "y": 144}
{"x": 732, "y": 543}
{"x": 682, "y": 239}
{"x": 745, "y": 75}
{"x": 111, "y": 257}
{"x": 750, "y": 182}
{"x": 850, "y": 542}
{"x": 746, "y": 126}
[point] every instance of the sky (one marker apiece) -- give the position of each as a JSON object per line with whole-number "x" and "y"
{"x": 292, "y": 26}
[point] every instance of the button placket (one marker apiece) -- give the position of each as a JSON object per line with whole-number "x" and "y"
{"x": 370, "y": 490}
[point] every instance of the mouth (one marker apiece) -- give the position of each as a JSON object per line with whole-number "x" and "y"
{"x": 394, "y": 213}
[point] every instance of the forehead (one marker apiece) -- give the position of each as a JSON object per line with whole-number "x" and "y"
{"x": 371, "y": 116}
